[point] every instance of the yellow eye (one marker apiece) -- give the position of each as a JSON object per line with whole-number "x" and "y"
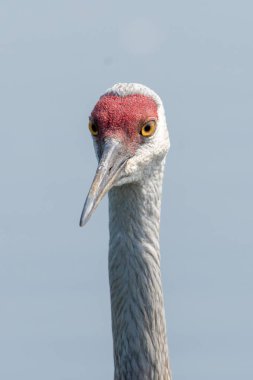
{"x": 148, "y": 129}
{"x": 93, "y": 128}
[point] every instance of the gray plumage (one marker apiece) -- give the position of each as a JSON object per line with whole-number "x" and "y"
{"x": 137, "y": 306}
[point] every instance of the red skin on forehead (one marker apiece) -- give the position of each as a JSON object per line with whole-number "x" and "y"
{"x": 122, "y": 117}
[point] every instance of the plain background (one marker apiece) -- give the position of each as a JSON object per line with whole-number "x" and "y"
{"x": 56, "y": 59}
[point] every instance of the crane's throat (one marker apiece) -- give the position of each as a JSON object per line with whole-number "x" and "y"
{"x": 138, "y": 320}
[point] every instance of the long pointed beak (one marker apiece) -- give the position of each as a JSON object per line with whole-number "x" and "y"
{"x": 113, "y": 159}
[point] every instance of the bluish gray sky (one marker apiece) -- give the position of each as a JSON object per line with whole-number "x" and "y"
{"x": 56, "y": 58}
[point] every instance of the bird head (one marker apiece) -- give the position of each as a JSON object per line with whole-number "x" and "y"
{"x": 130, "y": 137}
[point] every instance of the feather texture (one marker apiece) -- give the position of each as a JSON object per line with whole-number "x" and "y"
{"x": 131, "y": 168}
{"x": 138, "y": 320}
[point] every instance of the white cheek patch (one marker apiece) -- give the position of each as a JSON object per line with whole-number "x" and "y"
{"x": 150, "y": 153}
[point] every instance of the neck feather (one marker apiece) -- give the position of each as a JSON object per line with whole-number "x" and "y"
{"x": 138, "y": 320}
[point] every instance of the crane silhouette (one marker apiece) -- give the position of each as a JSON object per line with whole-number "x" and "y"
{"x": 131, "y": 141}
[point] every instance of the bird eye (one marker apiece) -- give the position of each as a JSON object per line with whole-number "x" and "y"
{"x": 148, "y": 129}
{"x": 93, "y": 128}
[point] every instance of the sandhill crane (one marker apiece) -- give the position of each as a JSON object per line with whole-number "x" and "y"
{"x": 131, "y": 141}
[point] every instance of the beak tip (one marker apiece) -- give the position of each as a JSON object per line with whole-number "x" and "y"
{"x": 87, "y": 211}
{"x": 83, "y": 220}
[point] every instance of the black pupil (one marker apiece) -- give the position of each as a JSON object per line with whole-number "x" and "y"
{"x": 147, "y": 128}
{"x": 94, "y": 128}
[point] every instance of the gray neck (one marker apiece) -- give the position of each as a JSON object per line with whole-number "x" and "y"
{"x": 138, "y": 320}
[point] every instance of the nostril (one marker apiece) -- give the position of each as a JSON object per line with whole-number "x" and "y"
{"x": 110, "y": 169}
